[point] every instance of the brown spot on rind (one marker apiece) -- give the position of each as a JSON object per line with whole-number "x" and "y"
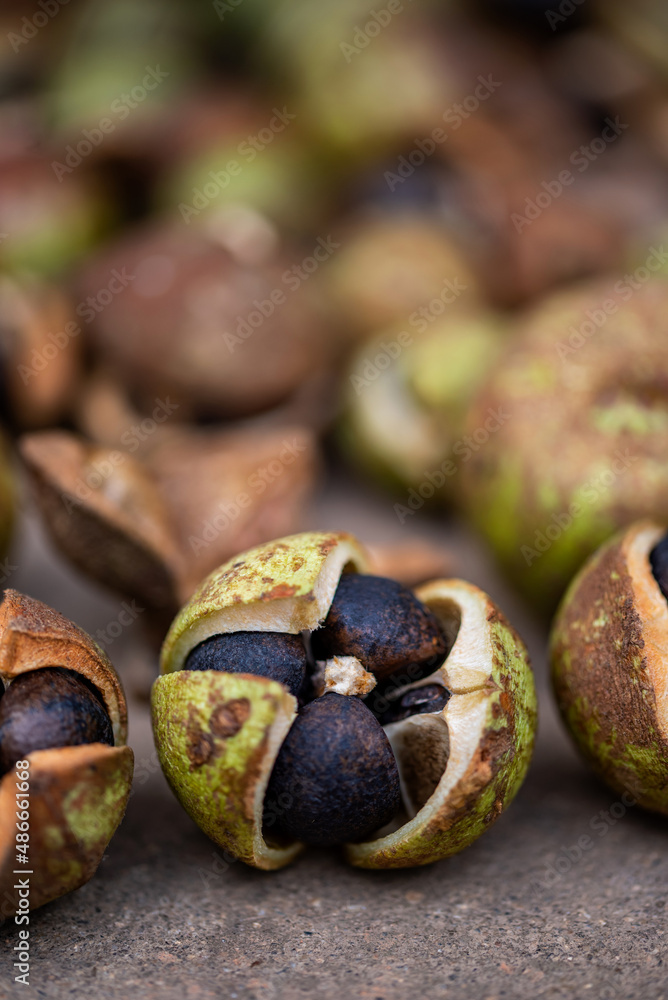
{"x": 253, "y": 774}
{"x": 228, "y": 718}
{"x": 327, "y": 545}
{"x": 279, "y": 591}
{"x": 200, "y": 748}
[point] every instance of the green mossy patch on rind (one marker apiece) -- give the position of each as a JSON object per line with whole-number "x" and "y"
{"x": 217, "y": 736}
{"x": 78, "y": 796}
{"x": 495, "y": 773}
{"x": 90, "y": 812}
{"x": 602, "y": 683}
{"x": 93, "y": 808}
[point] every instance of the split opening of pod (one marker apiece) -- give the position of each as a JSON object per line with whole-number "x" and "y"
{"x": 49, "y": 708}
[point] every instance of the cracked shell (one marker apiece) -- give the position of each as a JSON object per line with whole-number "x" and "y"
{"x": 78, "y": 794}
{"x": 218, "y": 735}
{"x": 609, "y": 648}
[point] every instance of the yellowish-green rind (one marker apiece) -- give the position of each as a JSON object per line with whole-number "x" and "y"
{"x": 77, "y": 797}
{"x": 491, "y": 723}
{"x": 217, "y": 737}
{"x": 282, "y": 586}
{"x": 609, "y": 649}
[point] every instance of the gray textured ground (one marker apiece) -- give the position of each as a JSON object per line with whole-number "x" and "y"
{"x": 511, "y": 917}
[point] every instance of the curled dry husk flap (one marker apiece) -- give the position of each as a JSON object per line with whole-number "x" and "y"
{"x": 105, "y": 514}
{"x": 152, "y": 522}
{"x": 218, "y": 734}
{"x": 609, "y": 655}
{"x": 77, "y": 794}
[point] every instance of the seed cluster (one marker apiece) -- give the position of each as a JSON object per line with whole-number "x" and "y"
{"x": 336, "y": 768}
{"x": 47, "y": 709}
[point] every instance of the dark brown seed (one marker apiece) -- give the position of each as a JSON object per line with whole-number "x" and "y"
{"x": 277, "y": 655}
{"x": 418, "y": 701}
{"x": 336, "y": 777}
{"x": 384, "y": 625}
{"x": 658, "y": 558}
{"x": 49, "y": 708}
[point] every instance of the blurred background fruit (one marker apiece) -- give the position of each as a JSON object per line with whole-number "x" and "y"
{"x": 365, "y": 223}
{"x": 409, "y": 393}
{"x": 581, "y": 452}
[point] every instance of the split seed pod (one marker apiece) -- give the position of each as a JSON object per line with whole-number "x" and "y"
{"x": 219, "y": 735}
{"x": 609, "y": 648}
{"x": 77, "y": 793}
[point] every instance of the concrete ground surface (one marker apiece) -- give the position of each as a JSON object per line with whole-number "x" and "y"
{"x": 522, "y": 913}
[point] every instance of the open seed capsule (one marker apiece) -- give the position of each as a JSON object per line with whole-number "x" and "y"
{"x": 262, "y": 775}
{"x": 63, "y": 714}
{"x": 609, "y": 647}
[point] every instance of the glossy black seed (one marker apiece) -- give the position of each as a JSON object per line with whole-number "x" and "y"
{"x": 384, "y": 625}
{"x": 418, "y": 701}
{"x": 277, "y": 655}
{"x": 49, "y": 708}
{"x": 658, "y": 558}
{"x": 336, "y": 777}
